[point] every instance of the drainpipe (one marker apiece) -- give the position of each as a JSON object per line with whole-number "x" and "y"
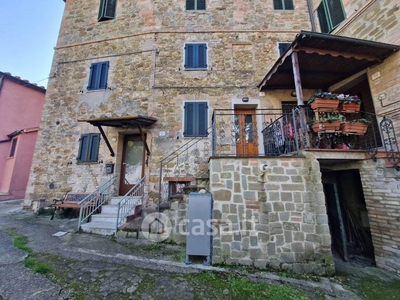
{"x": 3, "y": 141}
{"x": 310, "y": 13}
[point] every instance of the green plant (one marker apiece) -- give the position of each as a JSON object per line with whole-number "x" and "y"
{"x": 323, "y": 95}
{"x": 312, "y": 121}
{"x": 330, "y": 119}
{"x": 362, "y": 121}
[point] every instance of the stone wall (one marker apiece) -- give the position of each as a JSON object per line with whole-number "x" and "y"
{"x": 145, "y": 49}
{"x": 277, "y": 220}
{"x": 382, "y": 193}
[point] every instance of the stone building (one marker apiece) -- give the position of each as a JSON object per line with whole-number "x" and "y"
{"x": 214, "y": 84}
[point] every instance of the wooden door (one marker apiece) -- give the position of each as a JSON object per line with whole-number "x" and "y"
{"x": 246, "y": 136}
{"x": 132, "y": 169}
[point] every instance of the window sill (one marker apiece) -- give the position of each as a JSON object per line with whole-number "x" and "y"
{"x": 87, "y": 162}
{"x": 195, "y": 69}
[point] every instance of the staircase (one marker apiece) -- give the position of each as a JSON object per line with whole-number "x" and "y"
{"x": 105, "y": 222}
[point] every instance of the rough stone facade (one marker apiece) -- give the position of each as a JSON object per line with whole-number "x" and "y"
{"x": 275, "y": 219}
{"x": 144, "y": 45}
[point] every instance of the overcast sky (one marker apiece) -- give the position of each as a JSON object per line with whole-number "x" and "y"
{"x": 28, "y": 35}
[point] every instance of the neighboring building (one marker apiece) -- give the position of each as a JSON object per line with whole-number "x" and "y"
{"x": 21, "y": 105}
{"x": 134, "y": 81}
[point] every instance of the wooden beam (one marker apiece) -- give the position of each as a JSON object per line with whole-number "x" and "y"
{"x": 106, "y": 140}
{"x": 344, "y": 54}
{"x": 297, "y": 79}
{"x": 143, "y": 138}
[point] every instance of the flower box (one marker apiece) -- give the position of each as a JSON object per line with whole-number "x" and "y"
{"x": 349, "y": 107}
{"x": 354, "y": 128}
{"x": 325, "y": 105}
{"x": 326, "y": 126}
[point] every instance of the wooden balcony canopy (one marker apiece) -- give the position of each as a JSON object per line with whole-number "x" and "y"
{"x": 323, "y": 60}
{"x": 139, "y": 122}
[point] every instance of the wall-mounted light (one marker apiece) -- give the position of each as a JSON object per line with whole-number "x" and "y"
{"x": 293, "y": 94}
{"x": 245, "y": 99}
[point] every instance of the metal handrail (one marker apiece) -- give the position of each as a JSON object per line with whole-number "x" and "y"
{"x": 173, "y": 155}
{"x": 129, "y": 201}
{"x": 94, "y": 201}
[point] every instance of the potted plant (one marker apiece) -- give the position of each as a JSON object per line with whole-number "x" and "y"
{"x": 325, "y": 102}
{"x": 348, "y": 103}
{"x": 328, "y": 124}
{"x": 357, "y": 127}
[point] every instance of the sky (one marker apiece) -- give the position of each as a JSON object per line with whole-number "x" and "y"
{"x": 28, "y": 35}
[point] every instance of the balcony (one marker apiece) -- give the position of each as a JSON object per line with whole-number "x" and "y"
{"x": 275, "y": 132}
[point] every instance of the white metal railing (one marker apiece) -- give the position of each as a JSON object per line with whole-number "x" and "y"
{"x": 129, "y": 201}
{"x": 93, "y": 202}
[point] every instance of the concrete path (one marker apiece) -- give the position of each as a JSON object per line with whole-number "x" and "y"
{"x": 106, "y": 268}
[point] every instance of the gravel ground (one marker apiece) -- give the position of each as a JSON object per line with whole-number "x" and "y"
{"x": 87, "y": 266}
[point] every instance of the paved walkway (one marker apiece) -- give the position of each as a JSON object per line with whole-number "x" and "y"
{"x": 105, "y": 268}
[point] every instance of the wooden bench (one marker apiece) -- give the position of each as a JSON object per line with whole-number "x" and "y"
{"x": 70, "y": 200}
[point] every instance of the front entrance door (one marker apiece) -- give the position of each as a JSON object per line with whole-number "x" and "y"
{"x": 246, "y": 136}
{"x": 132, "y": 163}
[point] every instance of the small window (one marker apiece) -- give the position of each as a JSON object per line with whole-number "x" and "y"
{"x": 283, "y": 4}
{"x": 195, "y": 4}
{"x": 196, "y": 119}
{"x": 13, "y": 147}
{"x": 89, "y": 147}
{"x": 98, "y": 76}
{"x": 195, "y": 56}
{"x": 107, "y": 10}
{"x": 330, "y": 14}
{"x": 282, "y": 47}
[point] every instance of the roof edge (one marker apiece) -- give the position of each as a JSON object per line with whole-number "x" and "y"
{"x": 22, "y": 82}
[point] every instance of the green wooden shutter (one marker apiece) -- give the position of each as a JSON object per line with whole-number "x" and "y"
{"x": 330, "y": 14}
{"x": 288, "y": 4}
{"x": 202, "y": 112}
{"x": 110, "y": 8}
{"x": 93, "y": 152}
{"x": 336, "y": 12}
{"x": 201, "y": 4}
{"x": 189, "y": 119}
{"x": 107, "y": 10}
{"x": 190, "y": 4}
{"x": 323, "y": 21}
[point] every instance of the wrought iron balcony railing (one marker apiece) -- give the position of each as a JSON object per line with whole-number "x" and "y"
{"x": 275, "y": 132}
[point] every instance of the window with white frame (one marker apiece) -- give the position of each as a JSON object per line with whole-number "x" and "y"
{"x": 195, "y": 4}
{"x": 13, "y": 147}
{"x": 195, "y": 56}
{"x": 195, "y": 119}
{"x": 283, "y": 4}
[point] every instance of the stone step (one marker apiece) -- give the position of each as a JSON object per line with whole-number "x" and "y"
{"x": 109, "y": 209}
{"x": 116, "y": 200}
{"x": 105, "y": 217}
{"x": 102, "y": 228}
